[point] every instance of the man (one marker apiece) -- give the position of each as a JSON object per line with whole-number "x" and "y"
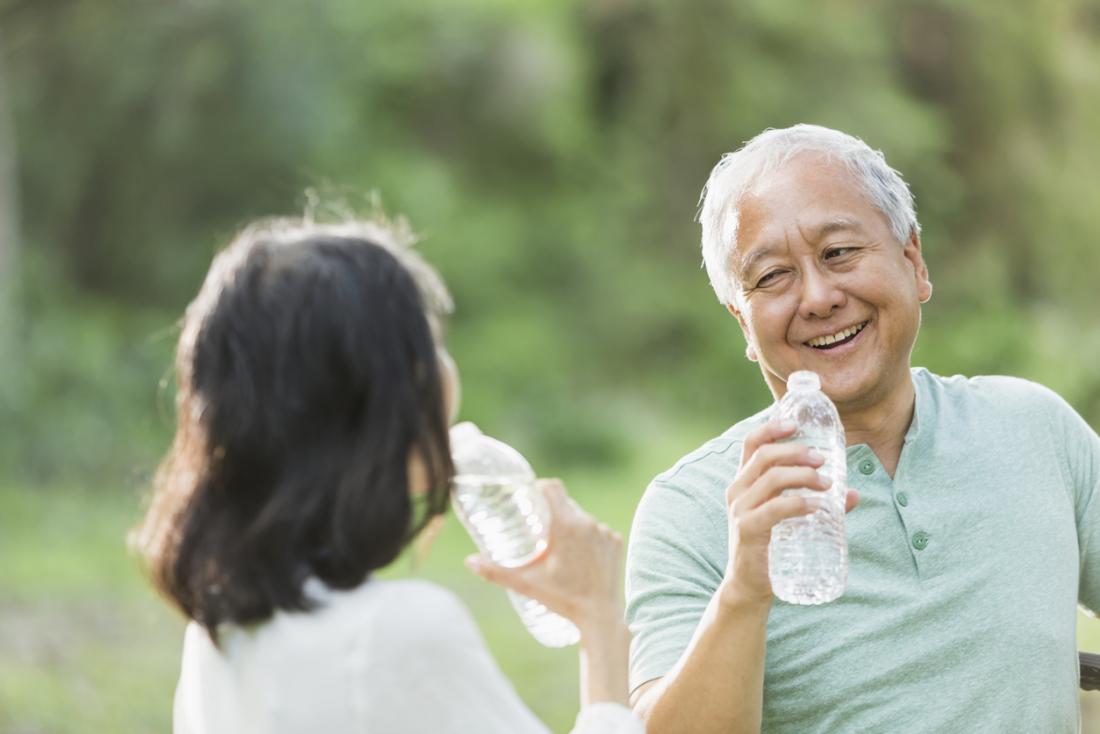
{"x": 977, "y": 528}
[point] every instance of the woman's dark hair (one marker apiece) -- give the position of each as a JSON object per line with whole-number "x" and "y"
{"x": 308, "y": 377}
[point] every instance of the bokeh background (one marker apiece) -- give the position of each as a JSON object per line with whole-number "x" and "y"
{"x": 551, "y": 154}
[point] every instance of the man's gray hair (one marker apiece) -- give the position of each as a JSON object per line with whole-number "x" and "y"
{"x": 736, "y": 172}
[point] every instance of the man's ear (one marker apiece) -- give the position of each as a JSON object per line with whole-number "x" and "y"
{"x": 750, "y": 351}
{"x": 920, "y": 269}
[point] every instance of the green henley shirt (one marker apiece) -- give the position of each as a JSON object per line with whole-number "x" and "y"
{"x": 965, "y": 571}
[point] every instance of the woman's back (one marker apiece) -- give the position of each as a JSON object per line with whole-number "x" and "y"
{"x": 314, "y": 395}
{"x": 388, "y": 656}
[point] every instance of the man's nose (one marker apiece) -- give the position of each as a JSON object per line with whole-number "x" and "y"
{"x": 820, "y": 295}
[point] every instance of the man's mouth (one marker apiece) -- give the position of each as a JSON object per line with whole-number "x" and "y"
{"x": 831, "y": 341}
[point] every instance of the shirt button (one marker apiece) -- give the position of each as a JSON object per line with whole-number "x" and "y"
{"x": 920, "y": 540}
{"x": 903, "y": 499}
{"x": 867, "y": 466}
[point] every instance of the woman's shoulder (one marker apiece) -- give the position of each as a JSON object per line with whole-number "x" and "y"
{"x": 400, "y": 596}
{"x": 406, "y": 629}
{"x": 388, "y": 607}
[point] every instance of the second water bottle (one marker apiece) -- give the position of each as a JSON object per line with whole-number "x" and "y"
{"x": 495, "y": 497}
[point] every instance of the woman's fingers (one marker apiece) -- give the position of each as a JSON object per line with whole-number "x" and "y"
{"x": 578, "y": 575}
{"x": 562, "y": 507}
{"x": 486, "y": 569}
{"x": 510, "y": 578}
{"x": 567, "y": 516}
{"x": 553, "y": 490}
{"x": 610, "y": 534}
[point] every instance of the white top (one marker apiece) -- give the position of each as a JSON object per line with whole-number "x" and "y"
{"x": 391, "y": 657}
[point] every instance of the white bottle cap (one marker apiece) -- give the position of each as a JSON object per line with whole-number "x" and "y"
{"x": 462, "y": 433}
{"x": 803, "y": 381}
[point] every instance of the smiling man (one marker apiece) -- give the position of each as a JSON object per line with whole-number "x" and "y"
{"x": 976, "y": 533}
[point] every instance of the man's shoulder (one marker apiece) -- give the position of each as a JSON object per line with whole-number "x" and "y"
{"x": 387, "y": 606}
{"x": 685, "y": 506}
{"x": 717, "y": 454}
{"x": 998, "y": 395}
{"x": 697, "y": 482}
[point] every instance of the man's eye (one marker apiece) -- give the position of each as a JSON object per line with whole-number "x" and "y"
{"x": 768, "y": 278}
{"x": 837, "y": 252}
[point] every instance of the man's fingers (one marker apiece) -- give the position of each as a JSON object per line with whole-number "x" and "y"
{"x": 761, "y": 452}
{"x": 851, "y": 500}
{"x": 761, "y": 520}
{"x": 778, "y": 454}
{"x": 776, "y": 480}
{"x": 770, "y": 432}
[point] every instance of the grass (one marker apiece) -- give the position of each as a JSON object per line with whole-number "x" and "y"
{"x": 86, "y": 646}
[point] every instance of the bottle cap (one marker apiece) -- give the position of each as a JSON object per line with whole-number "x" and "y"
{"x": 462, "y": 433}
{"x": 474, "y": 453}
{"x": 803, "y": 381}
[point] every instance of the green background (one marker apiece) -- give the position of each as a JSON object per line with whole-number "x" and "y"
{"x": 551, "y": 155}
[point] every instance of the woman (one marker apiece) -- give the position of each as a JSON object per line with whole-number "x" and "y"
{"x": 314, "y": 395}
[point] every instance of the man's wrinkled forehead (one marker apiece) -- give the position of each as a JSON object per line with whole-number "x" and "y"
{"x": 808, "y": 198}
{"x": 745, "y": 258}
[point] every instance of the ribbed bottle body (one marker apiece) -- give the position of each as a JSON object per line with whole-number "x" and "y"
{"x": 506, "y": 515}
{"x": 808, "y": 555}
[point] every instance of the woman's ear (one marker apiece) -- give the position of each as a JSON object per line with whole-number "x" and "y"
{"x": 452, "y": 388}
{"x": 426, "y": 539}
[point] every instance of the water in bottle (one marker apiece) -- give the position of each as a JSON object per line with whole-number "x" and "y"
{"x": 808, "y": 555}
{"x": 495, "y": 497}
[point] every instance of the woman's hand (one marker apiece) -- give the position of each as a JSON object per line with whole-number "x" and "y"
{"x": 577, "y": 575}
{"x": 756, "y": 503}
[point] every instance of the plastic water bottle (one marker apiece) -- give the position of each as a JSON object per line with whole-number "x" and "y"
{"x": 808, "y": 555}
{"x": 495, "y": 497}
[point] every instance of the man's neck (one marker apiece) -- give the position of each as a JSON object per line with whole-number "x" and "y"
{"x": 882, "y": 425}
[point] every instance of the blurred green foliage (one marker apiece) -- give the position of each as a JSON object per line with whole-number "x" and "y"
{"x": 551, "y": 155}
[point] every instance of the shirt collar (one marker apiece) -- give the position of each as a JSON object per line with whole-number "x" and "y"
{"x": 921, "y": 405}
{"x": 921, "y": 414}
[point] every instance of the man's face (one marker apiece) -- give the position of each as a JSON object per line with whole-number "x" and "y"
{"x": 817, "y": 263}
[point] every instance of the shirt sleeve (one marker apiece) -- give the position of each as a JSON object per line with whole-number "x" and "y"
{"x": 1081, "y": 460}
{"x": 675, "y": 563}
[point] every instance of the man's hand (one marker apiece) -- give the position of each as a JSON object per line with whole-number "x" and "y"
{"x": 756, "y": 504}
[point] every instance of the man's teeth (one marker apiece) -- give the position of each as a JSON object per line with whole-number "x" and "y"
{"x": 824, "y": 341}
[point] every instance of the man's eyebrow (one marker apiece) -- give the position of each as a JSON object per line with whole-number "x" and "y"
{"x": 817, "y": 234}
{"x": 749, "y": 261}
